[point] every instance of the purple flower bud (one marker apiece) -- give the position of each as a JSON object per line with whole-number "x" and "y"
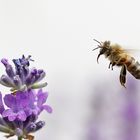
{"x": 17, "y": 81}
{"x": 30, "y": 79}
{"x": 31, "y": 128}
{"x": 40, "y": 71}
{"x": 9, "y": 69}
{"x": 34, "y": 71}
{"x": 6, "y": 81}
{"x": 18, "y": 132}
{"x": 30, "y": 119}
{"x": 25, "y": 71}
{"x": 10, "y": 72}
{"x": 40, "y": 76}
{"x": 5, "y": 62}
{"x": 39, "y": 125}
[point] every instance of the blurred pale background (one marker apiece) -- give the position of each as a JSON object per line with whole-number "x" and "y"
{"x": 59, "y": 35}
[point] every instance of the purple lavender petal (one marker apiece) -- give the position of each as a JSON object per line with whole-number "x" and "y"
{"x": 31, "y": 96}
{"x": 32, "y": 100}
{"x": 7, "y": 112}
{"x": 1, "y": 104}
{"x": 35, "y": 111}
{"x": 31, "y": 111}
{"x": 28, "y": 111}
{"x": 42, "y": 97}
{"x": 10, "y": 101}
{"x": 47, "y": 108}
{"x": 21, "y": 115}
{"x": 10, "y": 114}
{"x": 31, "y": 108}
{"x": 12, "y": 117}
{"x": 22, "y": 99}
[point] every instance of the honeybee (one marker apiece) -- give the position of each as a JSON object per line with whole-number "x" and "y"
{"x": 119, "y": 57}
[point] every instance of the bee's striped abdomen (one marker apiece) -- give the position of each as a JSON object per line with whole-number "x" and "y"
{"x": 133, "y": 67}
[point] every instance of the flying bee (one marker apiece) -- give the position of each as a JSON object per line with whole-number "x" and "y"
{"x": 119, "y": 57}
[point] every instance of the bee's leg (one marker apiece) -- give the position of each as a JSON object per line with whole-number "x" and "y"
{"x": 123, "y": 75}
{"x": 113, "y": 64}
{"x": 110, "y": 65}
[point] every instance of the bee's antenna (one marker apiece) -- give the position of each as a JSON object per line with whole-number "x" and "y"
{"x": 95, "y": 48}
{"x": 98, "y": 42}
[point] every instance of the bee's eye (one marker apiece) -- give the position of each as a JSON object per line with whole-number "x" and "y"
{"x": 103, "y": 50}
{"x": 107, "y": 44}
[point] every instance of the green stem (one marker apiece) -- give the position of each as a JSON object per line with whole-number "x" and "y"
{"x": 19, "y": 138}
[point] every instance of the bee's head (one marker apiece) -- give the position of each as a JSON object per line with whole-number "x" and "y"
{"x": 103, "y": 46}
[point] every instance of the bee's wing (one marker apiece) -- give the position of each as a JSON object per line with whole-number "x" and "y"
{"x": 132, "y": 51}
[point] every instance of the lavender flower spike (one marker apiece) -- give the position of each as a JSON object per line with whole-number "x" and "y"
{"x": 21, "y": 108}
